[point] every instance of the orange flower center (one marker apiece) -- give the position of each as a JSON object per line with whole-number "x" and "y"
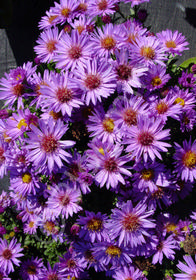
{"x": 170, "y": 44}
{"x": 147, "y": 52}
{"x": 162, "y": 107}
{"x": 51, "y": 46}
{"x": 75, "y": 52}
{"x": 18, "y": 90}
{"x": 31, "y": 269}
{"x": 65, "y": 12}
{"x": 108, "y": 43}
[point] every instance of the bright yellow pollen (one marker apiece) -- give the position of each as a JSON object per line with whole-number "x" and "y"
{"x": 108, "y": 125}
{"x": 179, "y": 101}
{"x": 26, "y": 178}
{"x": 101, "y": 150}
{"x": 21, "y": 123}
{"x": 113, "y": 251}
{"x": 31, "y": 224}
{"x": 147, "y": 52}
{"x": 171, "y": 227}
{"x": 189, "y": 159}
{"x": 147, "y": 174}
{"x": 156, "y": 81}
{"x": 170, "y": 44}
{"x": 18, "y": 77}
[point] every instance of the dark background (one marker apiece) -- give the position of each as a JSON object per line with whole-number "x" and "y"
{"x": 19, "y": 20}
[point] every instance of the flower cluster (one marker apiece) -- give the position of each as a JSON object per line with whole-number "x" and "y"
{"x": 98, "y": 138}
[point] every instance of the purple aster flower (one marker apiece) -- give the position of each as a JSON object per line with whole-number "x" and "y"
{"x": 156, "y": 77}
{"x": 46, "y": 44}
{"x": 4, "y": 158}
{"x": 128, "y": 74}
{"x": 111, "y": 255}
{"x": 52, "y": 273}
{"x": 81, "y": 23}
{"x": 130, "y": 272}
{"x": 72, "y": 50}
{"x": 185, "y": 158}
{"x": 101, "y": 7}
{"x": 93, "y": 227}
{"x": 64, "y": 11}
{"x": 188, "y": 269}
{"x": 148, "y": 50}
{"x": 31, "y": 226}
{"x": 64, "y": 201}
{"x": 45, "y": 146}
{"x": 106, "y": 40}
{"x": 49, "y": 20}
{"x": 146, "y": 139}
{"x": 102, "y": 126}
{"x": 96, "y": 79}
{"x": 9, "y": 254}
{"x": 187, "y": 80}
{"x": 187, "y": 120}
{"x": 126, "y": 110}
{"x": 173, "y": 42}
{"x": 59, "y": 96}
{"x": 71, "y": 264}
{"x": 130, "y": 225}
{"x": 165, "y": 247}
{"x": 132, "y": 30}
{"x": 109, "y": 164}
{"x": 149, "y": 175}
{"x": 31, "y": 269}
{"x": 24, "y": 182}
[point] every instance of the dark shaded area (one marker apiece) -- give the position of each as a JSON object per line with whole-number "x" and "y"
{"x": 22, "y": 26}
{"x": 191, "y": 16}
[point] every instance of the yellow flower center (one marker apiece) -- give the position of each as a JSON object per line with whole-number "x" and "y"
{"x": 179, "y": 101}
{"x": 65, "y": 12}
{"x": 94, "y": 224}
{"x": 156, "y": 81}
{"x": 108, "y": 125}
{"x": 162, "y": 107}
{"x": 170, "y": 44}
{"x": 147, "y": 174}
{"x": 21, "y": 123}
{"x": 171, "y": 227}
{"x": 189, "y": 159}
{"x": 108, "y": 43}
{"x": 31, "y": 224}
{"x": 26, "y": 177}
{"x": 113, "y": 251}
{"x": 147, "y": 52}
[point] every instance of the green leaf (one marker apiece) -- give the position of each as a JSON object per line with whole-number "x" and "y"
{"x": 187, "y": 62}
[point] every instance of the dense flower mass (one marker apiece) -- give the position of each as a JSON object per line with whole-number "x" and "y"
{"x": 98, "y": 140}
